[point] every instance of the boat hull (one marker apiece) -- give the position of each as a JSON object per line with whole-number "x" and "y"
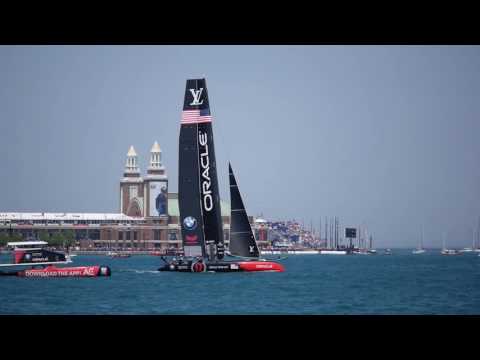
{"x": 450, "y": 252}
{"x": 334, "y": 252}
{"x": 78, "y": 271}
{"x": 289, "y": 252}
{"x": 418, "y": 251}
{"x": 223, "y": 266}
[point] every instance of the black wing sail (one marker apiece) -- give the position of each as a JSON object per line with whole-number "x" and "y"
{"x": 242, "y": 239}
{"x": 198, "y": 198}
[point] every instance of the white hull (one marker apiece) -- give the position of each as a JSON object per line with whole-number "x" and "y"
{"x": 420, "y": 251}
{"x": 450, "y": 252}
{"x": 306, "y": 252}
{"x": 333, "y": 252}
{"x": 289, "y": 252}
{"x": 272, "y": 252}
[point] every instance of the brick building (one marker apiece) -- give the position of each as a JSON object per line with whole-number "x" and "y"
{"x": 148, "y": 217}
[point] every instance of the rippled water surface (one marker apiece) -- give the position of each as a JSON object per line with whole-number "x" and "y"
{"x": 312, "y": 284}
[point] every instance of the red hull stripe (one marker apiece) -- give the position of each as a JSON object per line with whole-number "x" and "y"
{"x": 261, "y": 266}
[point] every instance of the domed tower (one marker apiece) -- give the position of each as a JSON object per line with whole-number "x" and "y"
{"x": 156, "y": 185}
{"x": 131, "y": 187}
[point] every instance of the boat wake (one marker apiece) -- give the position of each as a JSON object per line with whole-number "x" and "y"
{"x": 136, "y": 271}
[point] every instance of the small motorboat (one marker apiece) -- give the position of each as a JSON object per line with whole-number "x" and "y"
{"x": 34, "y": 259}
{"x": 418, "y": 251}
{"x": 450, "y": 252}
{"x": 360, "y": 252}
{"x": 387, "y": 252}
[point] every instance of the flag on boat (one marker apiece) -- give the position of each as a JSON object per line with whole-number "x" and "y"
{"x": 196, "y": 116}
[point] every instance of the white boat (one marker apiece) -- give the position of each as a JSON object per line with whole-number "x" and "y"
{"x": 360, "y": 252}
{"x": 333, "y": 252}
{"x": 387, "y": 252}
{"x": 471, "y": 249}
{"x": 364, "y": 251}
{"x": 446, "y": 251}
{"x": 419, "y": 249}
{"x": 289, "y": 252}
{"x": 272, "y": 252}
{"x": 30, "y": 254}
{"x": 450, "y": 252}
{"x": 304, "y": 252}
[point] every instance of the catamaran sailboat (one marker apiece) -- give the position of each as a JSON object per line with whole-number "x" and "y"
{"x": 199, "y": 199}
{"x": 33, "y": 259}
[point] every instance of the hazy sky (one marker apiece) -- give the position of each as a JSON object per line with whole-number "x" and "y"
{"x": 384, "y": 136}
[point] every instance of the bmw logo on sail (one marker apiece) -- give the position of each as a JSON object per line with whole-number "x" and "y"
{"x": 190, "y": 223}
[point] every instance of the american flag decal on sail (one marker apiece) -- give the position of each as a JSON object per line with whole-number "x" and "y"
{"x": 196, "y": 116}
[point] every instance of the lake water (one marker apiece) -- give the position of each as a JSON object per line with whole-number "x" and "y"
{"x": 312, "y": 284}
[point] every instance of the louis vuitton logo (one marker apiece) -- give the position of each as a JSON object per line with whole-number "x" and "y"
{"x": 196, "y": 94}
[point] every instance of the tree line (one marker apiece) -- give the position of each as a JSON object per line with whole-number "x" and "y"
{"x": 62, "y": 238}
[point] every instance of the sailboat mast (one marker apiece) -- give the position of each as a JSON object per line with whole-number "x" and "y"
{"x": 327, "y": 240}
{"x": 473, "y": 238}
{"x": 334, "y": 233}
{"x": 311, "y": 229}
{"x": 198, "y": 193}
{"x": 359, "y": 236}
{"x": 421, "y": 240}
{"x": 320, "y": 231}
{"x": 478, "y": 231}
{"x": 331, "y": 233}
{"x": 338, "y": 233}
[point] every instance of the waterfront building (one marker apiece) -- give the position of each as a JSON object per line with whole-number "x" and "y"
{"x": 148, "y": 217}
